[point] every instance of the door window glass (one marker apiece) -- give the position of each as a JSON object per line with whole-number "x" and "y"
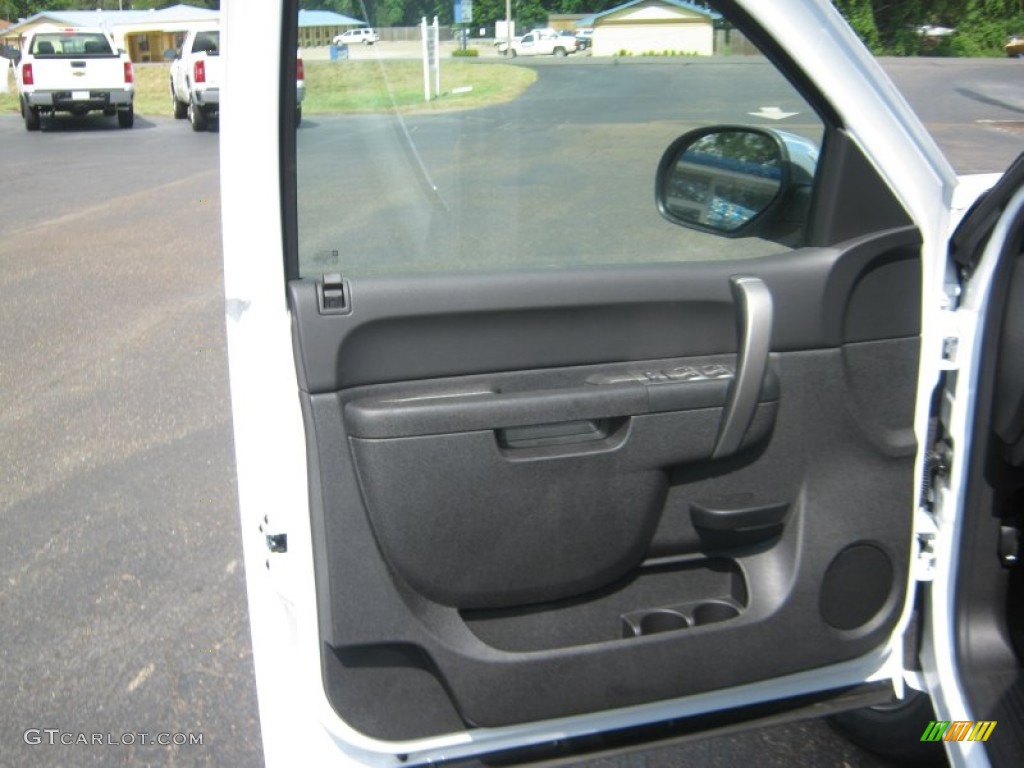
{"x": 532, "y": 160}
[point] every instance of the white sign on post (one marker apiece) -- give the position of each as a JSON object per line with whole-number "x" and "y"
{"x": 437, "y": 59}
{"x": 431, "y": 56}
{"x": 427, "y": 57}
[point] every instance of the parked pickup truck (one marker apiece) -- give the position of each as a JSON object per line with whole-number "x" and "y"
{"x": 77, "y": 70}
{"x": 195, "y": 78}
{"x": 539, "y": 43}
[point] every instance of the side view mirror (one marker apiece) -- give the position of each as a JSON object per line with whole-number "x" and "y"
{"x": 737, "y": 181}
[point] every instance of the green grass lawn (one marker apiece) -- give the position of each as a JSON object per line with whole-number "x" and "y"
{"x": 374, "y": 86}
{"x": 354, "y": 86}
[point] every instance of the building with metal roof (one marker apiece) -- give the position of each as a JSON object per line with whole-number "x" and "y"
{"x": 320, "y": 27}
{"x": 150, "y": 35}
{"x": 639, "y": 27}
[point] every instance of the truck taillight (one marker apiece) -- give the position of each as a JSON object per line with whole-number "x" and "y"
{"x": 26, "y": 75}
{"x": 300, "y": 70}
{"x": 129, "y": 73}
{"x": 199, "y": 72}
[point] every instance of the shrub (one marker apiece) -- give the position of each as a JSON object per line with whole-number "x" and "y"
{"x": 467, "y": 52}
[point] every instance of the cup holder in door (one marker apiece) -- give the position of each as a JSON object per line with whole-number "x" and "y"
{"x": 714, "y": 612}
{"x": 643, "y": 623}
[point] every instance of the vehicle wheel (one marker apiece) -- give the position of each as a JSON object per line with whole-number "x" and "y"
{"x": 179, "y": 108}
{"x": 560, "y": 52}
{"x": 512, "y": 52}
{"x": 31, "y": 117}
{"x": 126, "y": 117}
{"x": 197, "y": 117}
{"x": 298, "y": 115}
{"x": 894, "y": 730}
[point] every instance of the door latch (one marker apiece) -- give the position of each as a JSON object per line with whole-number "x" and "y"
{"x": 1009, "y": 544}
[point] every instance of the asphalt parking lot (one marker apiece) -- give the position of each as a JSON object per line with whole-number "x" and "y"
{"x": 121, "y": 578}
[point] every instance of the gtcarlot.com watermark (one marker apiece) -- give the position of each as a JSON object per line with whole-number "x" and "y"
{"x": 55, "y": 736}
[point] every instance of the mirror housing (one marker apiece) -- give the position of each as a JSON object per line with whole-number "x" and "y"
{"x": 737, "y": 181}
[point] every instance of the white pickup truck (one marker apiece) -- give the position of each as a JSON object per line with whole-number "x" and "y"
{"x": 195, "y": 78}
{"x": 76, "y": 70}
{"x": 539, "y": 43}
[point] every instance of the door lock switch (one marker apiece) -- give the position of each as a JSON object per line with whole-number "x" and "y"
{"x": 332, "y": 292}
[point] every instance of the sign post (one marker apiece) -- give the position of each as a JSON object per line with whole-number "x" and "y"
{"x": 508, "y": 27}
{"x": 427, "y": 57}
{"x": 463, "y": 16}
{"x": 437, "y": 59}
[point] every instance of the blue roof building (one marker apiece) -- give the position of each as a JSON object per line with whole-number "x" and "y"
{"x": 320, "y": 27}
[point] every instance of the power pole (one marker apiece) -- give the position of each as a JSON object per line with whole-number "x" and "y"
{"x": 508, "y": 26}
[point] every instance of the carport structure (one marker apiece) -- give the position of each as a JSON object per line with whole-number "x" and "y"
{"x": 653, "y": 26}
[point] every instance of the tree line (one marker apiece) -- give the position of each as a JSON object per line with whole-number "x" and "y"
{"x": 896, "y": 27}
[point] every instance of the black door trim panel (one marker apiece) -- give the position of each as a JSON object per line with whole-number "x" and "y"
{"x": 412, "y": 327}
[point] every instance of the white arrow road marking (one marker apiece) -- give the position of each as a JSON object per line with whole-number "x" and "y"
{"x": 772, "y": 113}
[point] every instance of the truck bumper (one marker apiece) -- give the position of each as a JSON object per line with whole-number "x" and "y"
{"x": 80, "y": 101}
{"x": 208, "y": 98}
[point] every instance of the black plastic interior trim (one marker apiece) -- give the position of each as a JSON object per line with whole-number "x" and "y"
{"x": 287, "y": 157}
{"x": 409, "y": 327}
{"x": 822, "y": 455}
{"x": 965, "y": 247}
{"x": 851, "y": 200}
{"x": 436, "y": 413}
{"x": 604, "y": 748}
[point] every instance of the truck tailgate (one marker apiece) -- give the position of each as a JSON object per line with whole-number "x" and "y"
{"x": 70, "y": 74}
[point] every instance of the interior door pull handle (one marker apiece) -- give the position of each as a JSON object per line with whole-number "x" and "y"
{"x": 754, "y": 335}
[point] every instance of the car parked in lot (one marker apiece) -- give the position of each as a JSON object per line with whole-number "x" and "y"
{"x": 364, "y": 35}
{"x": 754, "y": 451}
{"x": 76, "y": 70}
{"x": 538, "y": 43}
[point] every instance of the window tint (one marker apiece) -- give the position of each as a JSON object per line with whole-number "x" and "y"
{"x": 71, "y": 44}
{"x": 533, "y": 160}
{"x": 207, "y": 42}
